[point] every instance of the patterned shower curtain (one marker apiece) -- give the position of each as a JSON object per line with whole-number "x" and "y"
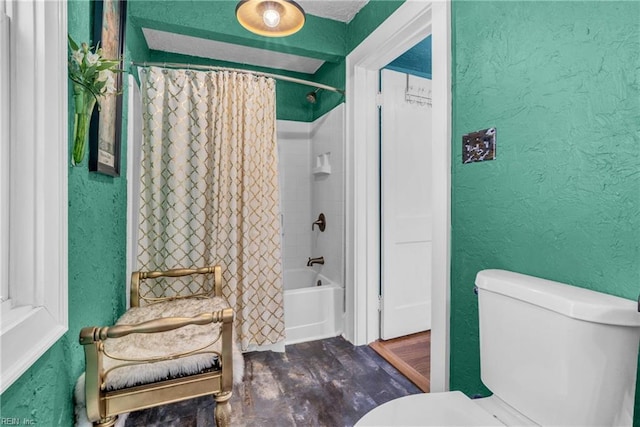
{"x": 209, "y": 188}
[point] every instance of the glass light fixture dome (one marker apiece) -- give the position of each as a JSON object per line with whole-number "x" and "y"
{"x": 271, "y": 18}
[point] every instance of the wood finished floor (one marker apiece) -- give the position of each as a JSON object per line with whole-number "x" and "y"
{"x": 411, "y": 355}
{"x": 320, "y": 383}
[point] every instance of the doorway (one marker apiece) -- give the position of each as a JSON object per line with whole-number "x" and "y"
{"x": 412, "y": 22}
{"x": 405, "y": 103}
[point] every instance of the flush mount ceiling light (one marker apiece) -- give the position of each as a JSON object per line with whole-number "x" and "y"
{"x": 271, "y": 18}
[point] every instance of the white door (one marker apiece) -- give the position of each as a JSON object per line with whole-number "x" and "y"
{"x": 405, "y": 205}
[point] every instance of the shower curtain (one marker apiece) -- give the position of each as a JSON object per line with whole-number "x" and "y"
{"x": 209, "y": 188}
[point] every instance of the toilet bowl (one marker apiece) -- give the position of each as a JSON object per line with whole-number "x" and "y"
{"x": 444, "y": 409}
{"x": 539, "y": 343}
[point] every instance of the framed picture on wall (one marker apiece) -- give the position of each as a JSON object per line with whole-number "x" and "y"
{"x": 106, "y": 122}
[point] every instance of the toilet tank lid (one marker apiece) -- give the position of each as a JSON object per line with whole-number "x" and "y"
{"x": 571, "y": 301}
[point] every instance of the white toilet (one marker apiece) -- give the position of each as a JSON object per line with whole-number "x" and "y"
{"x": 551, "y": 353}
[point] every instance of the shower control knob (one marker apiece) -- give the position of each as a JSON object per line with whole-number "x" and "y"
{"x": 320, "y": 222}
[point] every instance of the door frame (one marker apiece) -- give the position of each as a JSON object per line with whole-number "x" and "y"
{"x": 409, "y": 24}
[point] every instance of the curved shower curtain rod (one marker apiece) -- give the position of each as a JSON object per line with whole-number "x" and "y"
{"x": 256, "y": 73}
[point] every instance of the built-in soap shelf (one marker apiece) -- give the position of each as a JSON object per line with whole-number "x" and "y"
{"x": 323, "y": 164}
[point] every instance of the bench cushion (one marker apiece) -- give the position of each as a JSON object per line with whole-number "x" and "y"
{"x": 142, "y": 347}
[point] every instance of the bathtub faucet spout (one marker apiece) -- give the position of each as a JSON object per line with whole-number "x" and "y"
{"x": 319, "y": 260}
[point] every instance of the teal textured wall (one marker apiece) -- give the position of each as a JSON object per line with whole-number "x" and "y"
{"x": 368, "y": 19}
{"x": 332, "y": 75}
{"x": 416, "y": 61}
{"x": 97, "y": 236}
{"x": 561, "y": 83}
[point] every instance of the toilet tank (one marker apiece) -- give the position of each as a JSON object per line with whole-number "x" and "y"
{"x": 558, "y": 354}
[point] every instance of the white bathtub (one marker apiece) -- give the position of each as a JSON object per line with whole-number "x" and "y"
{"x": 311, "y": 312}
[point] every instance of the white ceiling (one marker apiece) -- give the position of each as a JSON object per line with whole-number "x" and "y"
{"x": 339, "y": 10}
{"x": 205, "y": 48}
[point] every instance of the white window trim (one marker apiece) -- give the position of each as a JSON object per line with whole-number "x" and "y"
{"x": 134, "y": 156}
{"x": 5, "y": 110}
{"x": 38, "y": 163}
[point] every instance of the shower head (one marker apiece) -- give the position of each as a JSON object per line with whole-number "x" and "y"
{"x": 312, "y": 97}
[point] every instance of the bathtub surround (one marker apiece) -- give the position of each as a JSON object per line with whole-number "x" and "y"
{"x": 294, "y": 152}
{"x": 215, "y": 132}
{"x": 561, "y": 201}
{"x": 305, "y": 195}
{"x": 311, "y": 311}
{"x": 327, "y": 192}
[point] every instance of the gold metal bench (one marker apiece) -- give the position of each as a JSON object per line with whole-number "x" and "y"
{"x": 133, "y": 366}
